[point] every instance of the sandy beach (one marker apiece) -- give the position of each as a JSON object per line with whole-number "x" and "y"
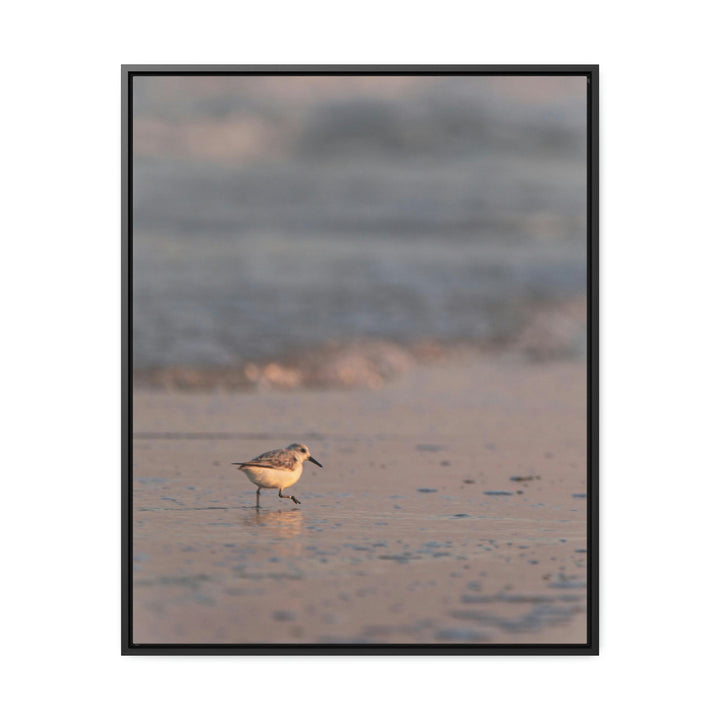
{"x": 451, "y": 509}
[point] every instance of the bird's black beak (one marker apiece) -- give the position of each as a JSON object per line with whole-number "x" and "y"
{"x": 313, "y": 460}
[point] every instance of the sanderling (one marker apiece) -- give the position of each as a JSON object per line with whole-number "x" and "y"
{"x": 277, "y": 469}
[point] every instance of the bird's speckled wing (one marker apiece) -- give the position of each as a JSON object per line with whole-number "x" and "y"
{"x": 282, "y": 459}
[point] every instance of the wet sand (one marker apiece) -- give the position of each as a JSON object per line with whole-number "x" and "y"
{"x": 417, "y": 530}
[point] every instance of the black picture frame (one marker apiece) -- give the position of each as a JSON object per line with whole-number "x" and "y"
{"x": 591, "y": 647}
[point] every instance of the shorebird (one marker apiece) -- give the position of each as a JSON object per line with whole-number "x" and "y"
{"x": 277, "y": 469}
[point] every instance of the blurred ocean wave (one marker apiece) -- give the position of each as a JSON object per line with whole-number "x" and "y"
{"x": 550, "y": 331}
{"x": 274, "y": 217}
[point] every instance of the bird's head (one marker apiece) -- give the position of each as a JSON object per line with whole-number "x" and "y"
{"x": 303, "y": 453}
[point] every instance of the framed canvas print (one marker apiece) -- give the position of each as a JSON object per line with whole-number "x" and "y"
{"x": 360, "y": 360}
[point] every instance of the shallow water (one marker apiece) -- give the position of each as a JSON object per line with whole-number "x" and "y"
{"x": 449, "y": 508}
{"x": 453, "y": 565}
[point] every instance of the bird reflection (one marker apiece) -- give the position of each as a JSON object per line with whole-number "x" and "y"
{"x": 277, "y": 523}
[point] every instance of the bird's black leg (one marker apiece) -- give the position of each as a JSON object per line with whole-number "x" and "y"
{"x": 257, "y": 498}
{"x": 292, "y": 497}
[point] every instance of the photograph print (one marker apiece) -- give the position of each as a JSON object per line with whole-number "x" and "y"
{"x": 360, "y": 360}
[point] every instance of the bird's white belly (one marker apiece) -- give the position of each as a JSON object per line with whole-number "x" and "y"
{"x": 270, "y": 478}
